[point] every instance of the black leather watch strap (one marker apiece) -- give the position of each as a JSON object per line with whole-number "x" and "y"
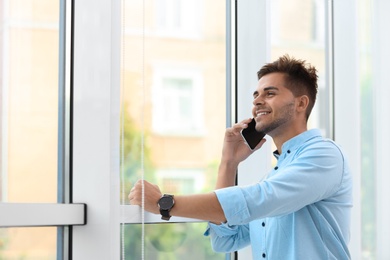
{"x": 165, "y": 214}
{"x": 165, "y": 204}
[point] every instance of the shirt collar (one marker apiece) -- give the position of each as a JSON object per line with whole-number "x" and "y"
{"x": 298, "y": 140}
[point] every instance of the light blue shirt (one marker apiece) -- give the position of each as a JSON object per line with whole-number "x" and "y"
{"x": 300, "y": 211}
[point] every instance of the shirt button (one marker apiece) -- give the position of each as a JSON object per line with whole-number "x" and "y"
{"x": 276, "y": 167}
{"x": 263, "y": 224}
{"x": 263, "y": 255}
{"x": 288, "y": 151}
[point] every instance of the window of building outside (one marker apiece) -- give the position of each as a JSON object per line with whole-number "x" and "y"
{"x": 173, "y": 114}
{"x": 177, "y": 105}
{"x": 29, "y": 53}
{"x": 177, "y": 18}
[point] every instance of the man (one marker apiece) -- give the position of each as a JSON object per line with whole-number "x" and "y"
{"x": 302, "y": 209}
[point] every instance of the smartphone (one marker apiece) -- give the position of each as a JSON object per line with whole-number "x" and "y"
{"x": 251, "y": 136}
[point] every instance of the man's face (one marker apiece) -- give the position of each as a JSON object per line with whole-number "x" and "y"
{"x": 273, "y": 104}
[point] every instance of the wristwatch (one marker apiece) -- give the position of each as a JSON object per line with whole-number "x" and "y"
{"x": 165, "y": 204}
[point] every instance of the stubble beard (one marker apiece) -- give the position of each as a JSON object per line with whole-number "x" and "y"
{"x": 282, "y": 118}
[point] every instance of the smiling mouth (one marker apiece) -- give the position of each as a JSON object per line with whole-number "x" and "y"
{"x": 262, "y": 113}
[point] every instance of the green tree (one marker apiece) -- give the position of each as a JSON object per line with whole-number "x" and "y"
{"x": 135, "y": 154}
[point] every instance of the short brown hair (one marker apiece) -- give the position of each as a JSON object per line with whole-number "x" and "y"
{"x": 301, "y": 77}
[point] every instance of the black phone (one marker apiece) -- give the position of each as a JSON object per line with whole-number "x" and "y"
{"x": 251, "y": 136}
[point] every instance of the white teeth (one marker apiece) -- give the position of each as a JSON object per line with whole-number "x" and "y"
{"x": 262, "y": 113}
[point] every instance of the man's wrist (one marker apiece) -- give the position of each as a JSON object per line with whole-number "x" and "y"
{"x": 165, "y": 204}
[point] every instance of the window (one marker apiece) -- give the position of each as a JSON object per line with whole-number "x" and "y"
{"x": 29, "y": 119}
{"x": 182, "y": 181}
{"x": 33, "y": 141}
{"x": 177, "y": 102}
{"x": 178, "y": 18}
{"x": 309, "y": 26}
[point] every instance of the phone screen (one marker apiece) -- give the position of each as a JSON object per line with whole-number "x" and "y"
{"x": 251, "y": 136}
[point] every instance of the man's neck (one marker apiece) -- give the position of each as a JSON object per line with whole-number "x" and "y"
{"x": 281, "y": 138}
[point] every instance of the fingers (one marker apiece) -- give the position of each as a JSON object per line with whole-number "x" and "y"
{"x": 236, "y": 128}
{"x": 145, "y": 194}
{"x": 135, "y": 195}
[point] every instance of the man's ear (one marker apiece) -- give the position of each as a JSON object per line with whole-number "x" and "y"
{"x": 303, "y": 102}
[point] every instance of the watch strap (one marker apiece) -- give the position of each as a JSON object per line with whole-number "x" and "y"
{"x": 165, "y": 212}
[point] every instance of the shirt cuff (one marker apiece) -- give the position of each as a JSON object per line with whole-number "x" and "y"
{"x": 221, "y": 230}
{"x": 234, "y": 205}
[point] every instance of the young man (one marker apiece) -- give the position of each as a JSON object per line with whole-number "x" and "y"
{"x": 302, "y": 209}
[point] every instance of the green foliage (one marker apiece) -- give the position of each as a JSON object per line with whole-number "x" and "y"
{"x": 136, "y": 157}
{"x": 170, "y": 241}
{"x": 3, "y": 243}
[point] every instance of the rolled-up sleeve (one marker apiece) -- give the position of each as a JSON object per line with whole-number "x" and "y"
{"x": 228, "y": 238}
{"x": 234, "y": 205}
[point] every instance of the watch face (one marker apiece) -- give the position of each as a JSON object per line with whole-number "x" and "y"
{"x": 165, "y": 203}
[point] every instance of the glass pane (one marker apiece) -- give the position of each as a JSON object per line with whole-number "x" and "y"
{"x": 369, "y": 174}
{"x": 29, "y": 101}
{"x": 169, "y": 242}
{"x": 174, "y": 100}
{"x": 28, "y": 243}
{"x": 304, "y": 39}
{"x": 28, "y": 118}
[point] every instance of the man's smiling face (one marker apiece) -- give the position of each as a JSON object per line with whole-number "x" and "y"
{"x": 273, "y": 104}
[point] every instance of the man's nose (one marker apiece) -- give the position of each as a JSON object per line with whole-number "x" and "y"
{"x": 258, "y": 101}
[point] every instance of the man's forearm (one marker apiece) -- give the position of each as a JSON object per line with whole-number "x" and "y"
{"x": 226, "y": 175}
{"x": 199, "y": 206}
